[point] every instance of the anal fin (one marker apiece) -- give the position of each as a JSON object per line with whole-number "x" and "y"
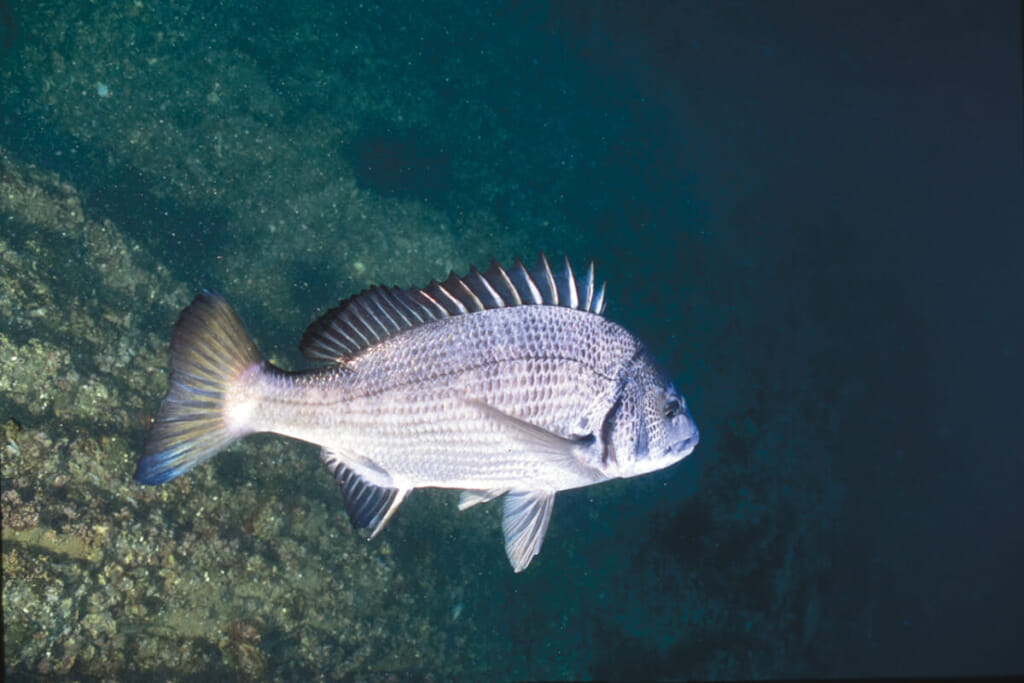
{"x": 525, "y": 523}
{"x": 369, "y": 506}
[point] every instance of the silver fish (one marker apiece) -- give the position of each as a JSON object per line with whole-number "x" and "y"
{"x": 506, "y": 382}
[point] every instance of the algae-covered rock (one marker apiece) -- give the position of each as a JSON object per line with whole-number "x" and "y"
{"x": 245, "y": 573}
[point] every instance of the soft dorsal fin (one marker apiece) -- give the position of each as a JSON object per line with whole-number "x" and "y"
{"x": 377, "y": 313}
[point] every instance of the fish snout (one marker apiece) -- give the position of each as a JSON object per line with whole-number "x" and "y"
{"x": 688, "y": 441}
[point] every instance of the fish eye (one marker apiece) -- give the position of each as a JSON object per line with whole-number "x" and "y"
{"x": 673, "y": 407}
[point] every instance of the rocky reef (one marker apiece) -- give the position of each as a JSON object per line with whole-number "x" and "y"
{"x": 104, "y": 578}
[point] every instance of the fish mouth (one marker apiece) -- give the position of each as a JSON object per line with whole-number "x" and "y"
{"x": 685, "y": 446}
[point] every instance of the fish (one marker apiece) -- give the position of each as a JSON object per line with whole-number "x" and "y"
{"x": 509, "y": 382}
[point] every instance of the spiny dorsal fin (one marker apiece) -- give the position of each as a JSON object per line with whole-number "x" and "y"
{"x": 381, "y": 312}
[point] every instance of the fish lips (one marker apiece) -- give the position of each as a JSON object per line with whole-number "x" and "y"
{"x": 682, "y": 448}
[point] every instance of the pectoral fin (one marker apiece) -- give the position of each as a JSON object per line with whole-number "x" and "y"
{"x": 527, "y": 514}
{"x": 565, "y": 451}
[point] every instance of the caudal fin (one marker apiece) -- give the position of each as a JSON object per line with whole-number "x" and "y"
{"x": 210, "y": 351}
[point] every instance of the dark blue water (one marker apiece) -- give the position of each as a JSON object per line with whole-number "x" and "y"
{"x": 812, "y": 212}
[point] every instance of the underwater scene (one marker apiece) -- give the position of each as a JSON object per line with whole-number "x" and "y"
{"x": 810, "y": 213}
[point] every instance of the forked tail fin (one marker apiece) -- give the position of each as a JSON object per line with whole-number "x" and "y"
{"x": 210, "y": 352}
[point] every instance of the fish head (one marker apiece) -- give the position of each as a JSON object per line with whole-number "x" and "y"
{"x": 649, "y": 426}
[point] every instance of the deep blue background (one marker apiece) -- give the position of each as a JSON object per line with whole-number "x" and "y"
{"x": 877, "y": 151}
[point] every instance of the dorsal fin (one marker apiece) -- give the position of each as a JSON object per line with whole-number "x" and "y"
{"x": 377, "y": 313}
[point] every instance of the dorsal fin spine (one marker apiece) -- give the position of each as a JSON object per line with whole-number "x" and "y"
{"x": 520, "y": 271}
{"x": 439, "y": 310}
{"x": 545, "y": 275}
{"x": 598, "y": 306}
{"x": 501, "y": 279}
{"x": 404, "y": 300}
{"x": 444, "y": 296}
{"x": 481, "y": 283}
{"x": 589, "y": 298}
{"x": 570, "y": 282}
{"x": 461, "y": 291}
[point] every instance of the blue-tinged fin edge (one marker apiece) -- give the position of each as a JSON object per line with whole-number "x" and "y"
{"x": 368, "y": 506}
{"x": 210, "y": 349}
{"x": 378, "y": 313}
